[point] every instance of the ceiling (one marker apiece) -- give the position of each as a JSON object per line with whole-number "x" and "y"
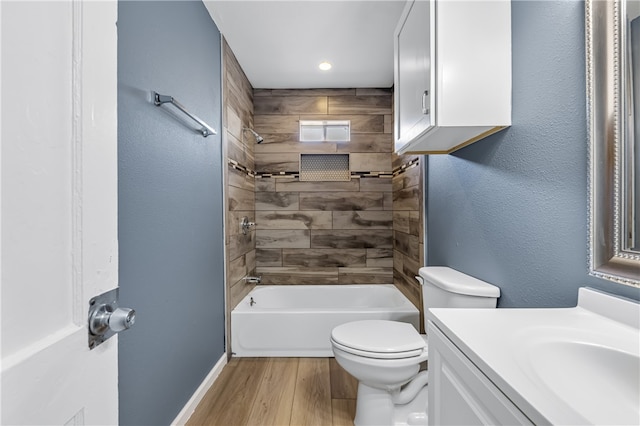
{"x": 279, "y": 44}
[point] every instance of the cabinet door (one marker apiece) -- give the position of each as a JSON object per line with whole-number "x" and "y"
{"x": 413, "y": 39}
{"x": 459, "y": 393}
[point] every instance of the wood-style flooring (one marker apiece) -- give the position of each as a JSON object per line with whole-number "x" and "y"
{"x": 279, "y": 392}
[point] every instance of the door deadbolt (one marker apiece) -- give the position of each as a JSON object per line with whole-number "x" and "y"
{"x": 106, "y": 318}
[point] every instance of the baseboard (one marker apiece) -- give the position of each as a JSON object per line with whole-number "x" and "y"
{"x": 197, "y": 396}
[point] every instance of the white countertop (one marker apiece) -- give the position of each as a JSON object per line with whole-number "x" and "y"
{"x": 543, "y": 359}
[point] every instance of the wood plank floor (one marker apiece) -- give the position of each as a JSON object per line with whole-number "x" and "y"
{"x": 279, "y": 392}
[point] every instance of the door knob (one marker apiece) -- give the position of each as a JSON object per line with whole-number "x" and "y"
{"x": 106, "y": 318}
{"x": 122, "y": 319}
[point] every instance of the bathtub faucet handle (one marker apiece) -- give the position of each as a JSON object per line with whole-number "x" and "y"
{"x": 245, "y": 225}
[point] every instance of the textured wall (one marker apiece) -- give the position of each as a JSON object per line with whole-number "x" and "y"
{"x": 240, "y": 200}
{"x": 324, "y": 232}
{"x": 512, "y": 209}
{"x": 170, "y": 220}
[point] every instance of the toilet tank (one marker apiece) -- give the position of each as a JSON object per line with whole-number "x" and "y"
{"x": 443, "y": 287}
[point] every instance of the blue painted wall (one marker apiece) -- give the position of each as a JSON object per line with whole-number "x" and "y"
{"x": 170, "y": 207}
{"x": 512, "y": 209}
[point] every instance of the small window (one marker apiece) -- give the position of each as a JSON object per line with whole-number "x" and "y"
{"x": 325, "y": 131}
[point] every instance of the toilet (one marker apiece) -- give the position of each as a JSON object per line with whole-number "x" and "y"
{"x": 385, "y": 356}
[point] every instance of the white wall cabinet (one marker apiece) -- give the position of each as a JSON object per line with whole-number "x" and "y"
{"x": 459, "y": 393}
{"x": 452, "y": 74}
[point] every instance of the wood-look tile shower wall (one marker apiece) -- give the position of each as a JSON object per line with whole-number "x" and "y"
{"x": 408, "y": 229}
{"x": 367, "y": 230}
{"x": 240, "y": 187}
{"x": 324, "y": 232}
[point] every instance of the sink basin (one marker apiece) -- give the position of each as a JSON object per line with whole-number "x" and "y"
{"x": 558, "y": 366}
{"x": 596, "y": 375}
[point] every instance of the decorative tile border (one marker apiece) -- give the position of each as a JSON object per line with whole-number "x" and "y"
{"x": 237, "y": 166}
{"x": 354, "y": 175}
{"x": 403, "y": 168}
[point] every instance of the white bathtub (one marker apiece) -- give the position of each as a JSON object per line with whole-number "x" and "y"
{"x": 296, "y": 320}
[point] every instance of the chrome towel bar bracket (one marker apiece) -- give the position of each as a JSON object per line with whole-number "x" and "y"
{"x": 159, "y": 99}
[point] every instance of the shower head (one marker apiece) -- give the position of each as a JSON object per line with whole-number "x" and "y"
{"x": 259, "y": 139}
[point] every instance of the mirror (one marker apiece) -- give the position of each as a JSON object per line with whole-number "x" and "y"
{"x": 613, "y": 102}
{"x": 633, "y": 119}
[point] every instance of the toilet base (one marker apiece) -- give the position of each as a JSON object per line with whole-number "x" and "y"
{"x": 376, "y": 407}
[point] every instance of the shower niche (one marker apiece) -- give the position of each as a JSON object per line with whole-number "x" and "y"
{"x": 324, "y": 167}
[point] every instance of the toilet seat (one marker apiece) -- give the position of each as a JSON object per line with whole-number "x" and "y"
{"x": 379, "y": 339}
{"x": 378, "y": 355}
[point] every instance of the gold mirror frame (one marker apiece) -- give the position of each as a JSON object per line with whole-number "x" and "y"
{"x": 608, "y": 257}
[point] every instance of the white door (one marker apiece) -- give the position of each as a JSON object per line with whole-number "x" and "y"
{"x": 59, "y": 209}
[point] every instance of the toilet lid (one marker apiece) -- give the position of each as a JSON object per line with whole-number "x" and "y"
{"x": 379, "y": 338}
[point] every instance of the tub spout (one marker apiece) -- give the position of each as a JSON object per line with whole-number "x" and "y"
{"x": 253, "y": 280}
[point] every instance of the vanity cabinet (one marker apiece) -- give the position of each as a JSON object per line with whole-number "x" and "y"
{"x": 459, "y": 393}
{"x": 452, "y": 74}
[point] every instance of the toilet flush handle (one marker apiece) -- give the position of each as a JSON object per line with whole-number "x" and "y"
{"x": 420, "y": 279}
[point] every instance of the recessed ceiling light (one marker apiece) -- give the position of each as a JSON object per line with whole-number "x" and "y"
{"x": 324, "y": 66}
